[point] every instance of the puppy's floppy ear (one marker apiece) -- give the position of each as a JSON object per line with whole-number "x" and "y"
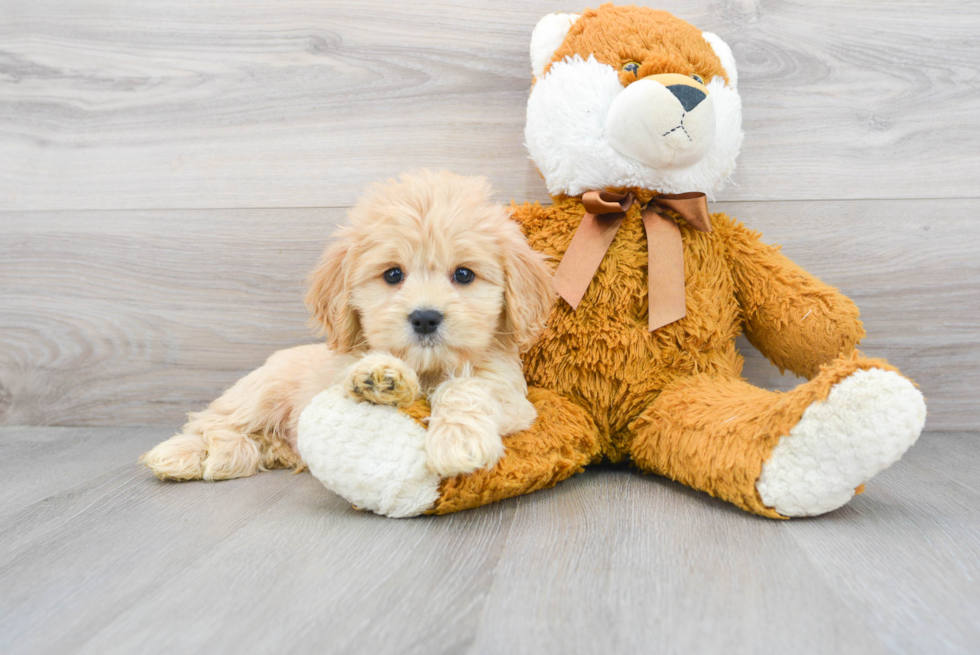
{"x": 328, "y": 298}
{"x": 528, "y": 296}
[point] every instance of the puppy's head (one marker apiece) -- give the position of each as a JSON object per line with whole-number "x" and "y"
{"x": 431, "y": 271}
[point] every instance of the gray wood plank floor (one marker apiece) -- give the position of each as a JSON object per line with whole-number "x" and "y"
{"x": 97, "y": 556}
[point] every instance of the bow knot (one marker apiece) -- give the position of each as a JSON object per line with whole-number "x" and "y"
{"x": 605, "y": 211}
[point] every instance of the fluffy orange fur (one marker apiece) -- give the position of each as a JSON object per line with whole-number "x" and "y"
{"x": 668, "y": 45}
{"x": 428, "y": 225}
{"x": 562, "y": 442}
{"x": 673, "y": 400}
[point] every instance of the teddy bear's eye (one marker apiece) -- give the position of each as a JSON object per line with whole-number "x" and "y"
{"x": 631, "y": 67}
{"x": 698, "y": 78}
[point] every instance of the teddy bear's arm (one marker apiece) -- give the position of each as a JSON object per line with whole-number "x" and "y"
{"x": 794, "y": 319}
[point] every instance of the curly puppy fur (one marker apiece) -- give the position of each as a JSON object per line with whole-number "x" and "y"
{"x": 428, "y": 225}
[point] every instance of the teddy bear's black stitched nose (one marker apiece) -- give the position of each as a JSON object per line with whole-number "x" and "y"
{"x": 688, "y": 95}
{"x": 425, "y": 321}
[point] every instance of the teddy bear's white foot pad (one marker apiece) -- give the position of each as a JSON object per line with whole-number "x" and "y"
{"x": 371, "y": 455}
{"x": 866, "y": 424}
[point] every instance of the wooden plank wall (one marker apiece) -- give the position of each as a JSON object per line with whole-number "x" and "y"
{"x": 169, "y": 170}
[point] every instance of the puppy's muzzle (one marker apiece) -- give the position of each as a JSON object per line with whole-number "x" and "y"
{"x": 425, "y": 321}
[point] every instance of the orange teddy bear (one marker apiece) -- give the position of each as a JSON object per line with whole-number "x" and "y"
{"x": 633, "y": 117}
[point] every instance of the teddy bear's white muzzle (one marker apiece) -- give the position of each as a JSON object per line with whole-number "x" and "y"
{"x": 661, "y": 125}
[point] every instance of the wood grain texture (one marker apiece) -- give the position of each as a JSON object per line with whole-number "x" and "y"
{"x": 121, "y": 318}
{"x": 189, "y": 104}
{"x": 97, "y": 556}
{"x": 912, "y": 269}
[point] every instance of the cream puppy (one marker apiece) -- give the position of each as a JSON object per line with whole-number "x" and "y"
{"x": 429, "y": 290}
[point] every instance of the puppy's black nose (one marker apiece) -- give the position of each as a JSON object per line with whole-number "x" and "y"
{"x": 425, "y": 321}
{"x": 688, "y": 95}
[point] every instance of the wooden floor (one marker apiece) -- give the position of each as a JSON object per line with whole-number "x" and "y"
{"x": 171, "y": 169}
{"x": 99, "y": 557}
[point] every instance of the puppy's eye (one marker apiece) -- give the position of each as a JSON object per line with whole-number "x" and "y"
{"x": 697, "y": 78}
{"x": 463, "y": 275}
{"x": 394, "y": 275}
{"x": 631, "y": 67}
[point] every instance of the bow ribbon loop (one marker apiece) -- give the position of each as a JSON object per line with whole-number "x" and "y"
{"x": 605, "y": 203}
{"x": 605, "y": 211}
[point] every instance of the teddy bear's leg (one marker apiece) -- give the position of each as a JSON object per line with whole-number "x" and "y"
{"x": 374, "y": 456}
{"x": 799, "y": 453}
{"x": 561, "y": 442}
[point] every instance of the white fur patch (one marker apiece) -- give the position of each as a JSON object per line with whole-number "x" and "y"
{"x": 371, "y": 455}
{"x": 566, "y": 136}
{"x": 648, "y": 124}
{"x": 724, "y": 53}
{"x": 547, "y": 36}
{"x": 865, "y": 425}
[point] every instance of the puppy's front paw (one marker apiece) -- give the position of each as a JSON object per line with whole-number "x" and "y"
{"x": 462, "y": 446}
{"x": 382, "y": 379}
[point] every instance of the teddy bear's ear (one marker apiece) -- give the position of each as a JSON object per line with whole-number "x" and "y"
{"x": 725, "y": 54}
{"x": 547, "y": 36}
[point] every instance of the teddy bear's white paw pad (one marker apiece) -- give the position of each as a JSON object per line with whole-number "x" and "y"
{"x": 866, "y": 424}
{"x": 371, "y": 455}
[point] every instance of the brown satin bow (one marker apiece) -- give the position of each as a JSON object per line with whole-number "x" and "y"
{"x": 605, "y": 211}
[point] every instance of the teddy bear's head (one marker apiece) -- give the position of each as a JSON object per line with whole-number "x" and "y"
{"x": 631, "y": 97}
